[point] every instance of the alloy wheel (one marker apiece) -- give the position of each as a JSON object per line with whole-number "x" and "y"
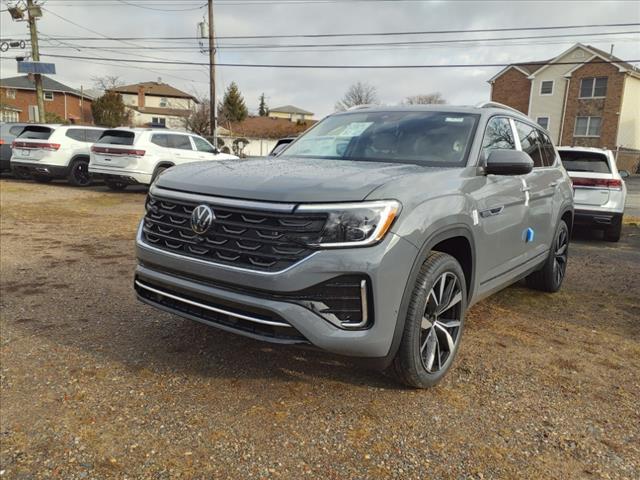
{"x": 440, "y": 327}
{"x": 560, "y": 255}
{"x": 81, "y": 173}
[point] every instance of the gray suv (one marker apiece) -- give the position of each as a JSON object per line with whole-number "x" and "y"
{"x": 369, "y": 236}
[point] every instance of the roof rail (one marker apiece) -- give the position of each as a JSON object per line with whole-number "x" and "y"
{"x": 498, "y": 105}
{"x": 360, "y": 107}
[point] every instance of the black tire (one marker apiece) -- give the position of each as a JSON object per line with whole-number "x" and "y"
{"x": 158, "y": 171}
{"x": 549, "y": 278}
{"x": 612, "y": 234}
{"x": 41, "y": 178}
{"x": 115, "y": 185}
{"x": 425, "y": 339}
{"x": 79, "y": 173}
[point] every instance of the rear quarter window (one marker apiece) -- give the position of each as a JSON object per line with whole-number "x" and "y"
{"x": 117, "y": 137}
{"x": 585, "y": 162}
{"x": 36, "y": 132}
{"x": 76, "y": 134}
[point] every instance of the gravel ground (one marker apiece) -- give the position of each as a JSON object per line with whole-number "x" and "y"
{"x": 97, "y": 385}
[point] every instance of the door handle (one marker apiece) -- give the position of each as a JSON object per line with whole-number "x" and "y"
{"x": 492, "y": 212}
{"x": 553, "y": 184}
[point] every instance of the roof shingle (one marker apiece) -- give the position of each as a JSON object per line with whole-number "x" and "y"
{"x": 157, "y": 89}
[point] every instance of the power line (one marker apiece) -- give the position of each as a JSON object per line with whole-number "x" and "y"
{"x": 264, "y": 65}
{"x": 379, "y": 44}
{"x": 162, "y": 9}
{"x": 365, "y": 34}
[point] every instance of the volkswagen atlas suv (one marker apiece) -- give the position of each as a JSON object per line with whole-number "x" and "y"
{"x": 369, "y": 236}
{"x": 599, "y": 189}
{"x": 136, "y": 156}
{"x": 48, "y": 152}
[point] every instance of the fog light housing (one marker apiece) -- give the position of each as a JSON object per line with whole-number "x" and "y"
{"x": 344, "y": 301}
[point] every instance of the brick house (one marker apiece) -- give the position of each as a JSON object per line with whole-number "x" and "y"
{"x": 157, "y": 103}
{"x": 577, "y": 98}
{"x": 18, "y": 101}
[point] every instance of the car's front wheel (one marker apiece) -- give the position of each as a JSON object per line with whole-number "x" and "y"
{"x": 434, "y": 323}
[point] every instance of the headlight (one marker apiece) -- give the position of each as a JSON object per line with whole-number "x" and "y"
{"x": 354, "y": 224}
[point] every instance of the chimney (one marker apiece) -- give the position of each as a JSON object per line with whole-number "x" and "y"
{"x": 140, "y": 96}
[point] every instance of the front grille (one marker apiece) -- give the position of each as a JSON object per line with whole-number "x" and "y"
{"x": 253, "y": 239}
{"x": 196, "y": 307}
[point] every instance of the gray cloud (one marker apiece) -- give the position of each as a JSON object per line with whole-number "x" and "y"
{"x": 317, "y": 90}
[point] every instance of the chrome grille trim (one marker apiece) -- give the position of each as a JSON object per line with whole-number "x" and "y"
{"x": 212, "y": 309}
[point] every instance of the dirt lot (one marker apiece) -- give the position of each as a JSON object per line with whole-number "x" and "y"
{"x": 96, "y": 385}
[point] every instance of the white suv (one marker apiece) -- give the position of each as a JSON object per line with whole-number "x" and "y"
{"x": 599, "y": 188}
{"x": 130, "y": 156}
{"x": 46, "y": 152}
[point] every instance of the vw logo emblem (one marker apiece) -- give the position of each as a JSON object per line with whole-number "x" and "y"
{"x": 201, "y": 219}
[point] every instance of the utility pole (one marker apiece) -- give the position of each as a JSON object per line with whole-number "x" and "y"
{"x": 35, "y": 56}
{"x": 212, "y": 75}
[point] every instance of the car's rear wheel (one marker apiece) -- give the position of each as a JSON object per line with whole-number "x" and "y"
{"x": 79, "y": 173}
{"x": 115, "y": 185}
{"x": 434, "y": 323}
{"x": 612, "y": 234}
{"x": 549, "y": 278}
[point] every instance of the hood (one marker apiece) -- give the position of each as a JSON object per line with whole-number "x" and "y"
{"x": 277, "y": 179}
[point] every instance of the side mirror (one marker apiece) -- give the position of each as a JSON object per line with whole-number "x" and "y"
{"x": 508, "y": 162}
{"x": 623, "y": 173}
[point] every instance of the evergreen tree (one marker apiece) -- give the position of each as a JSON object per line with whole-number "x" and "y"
{"x": 263, "y": 110}
{"x": 109, "y": 110}
{"x": 233, "y": 108}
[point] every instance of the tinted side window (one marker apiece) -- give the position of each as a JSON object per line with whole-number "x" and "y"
{"x": 202, "y": 145}
{"x": 160, "y": 139}
{"x": 531, "y": 143}
{"x": 498, "y": 135}
{"x": 92, "y": 136}
{"x": 76, "y": 134}
{"x": 549, "y": 153}
{"x": 179, "y": 141}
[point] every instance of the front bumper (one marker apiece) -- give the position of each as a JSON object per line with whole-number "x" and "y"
{"x": 597, "y": 218}
{"x": 38, "y": 168}
{"x": 386, "y": 266}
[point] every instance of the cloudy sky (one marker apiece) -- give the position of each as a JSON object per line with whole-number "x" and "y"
{"x": 315, "y": 89}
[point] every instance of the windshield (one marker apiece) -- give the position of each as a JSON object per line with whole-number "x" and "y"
{"x": 422, "y": 137}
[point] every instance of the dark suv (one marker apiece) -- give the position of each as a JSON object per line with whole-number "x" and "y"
{"x": 369, "y": 236}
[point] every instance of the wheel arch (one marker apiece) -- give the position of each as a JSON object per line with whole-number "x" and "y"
{"x": 445, "y": 240}
{"x": 80, "y": 156}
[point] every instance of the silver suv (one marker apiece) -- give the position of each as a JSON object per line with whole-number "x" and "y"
{"x": 369, "y": 236}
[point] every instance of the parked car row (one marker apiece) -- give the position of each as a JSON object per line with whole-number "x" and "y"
{"x": 81, "y": 154}
{"x": 136, "y": 156}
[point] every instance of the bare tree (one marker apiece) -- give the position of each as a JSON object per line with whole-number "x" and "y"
{"x": 108, "y": 82}
{"x": 360, "y": 93}
{"x": 428, "y": 99}
{"x": 199, "y": 121}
